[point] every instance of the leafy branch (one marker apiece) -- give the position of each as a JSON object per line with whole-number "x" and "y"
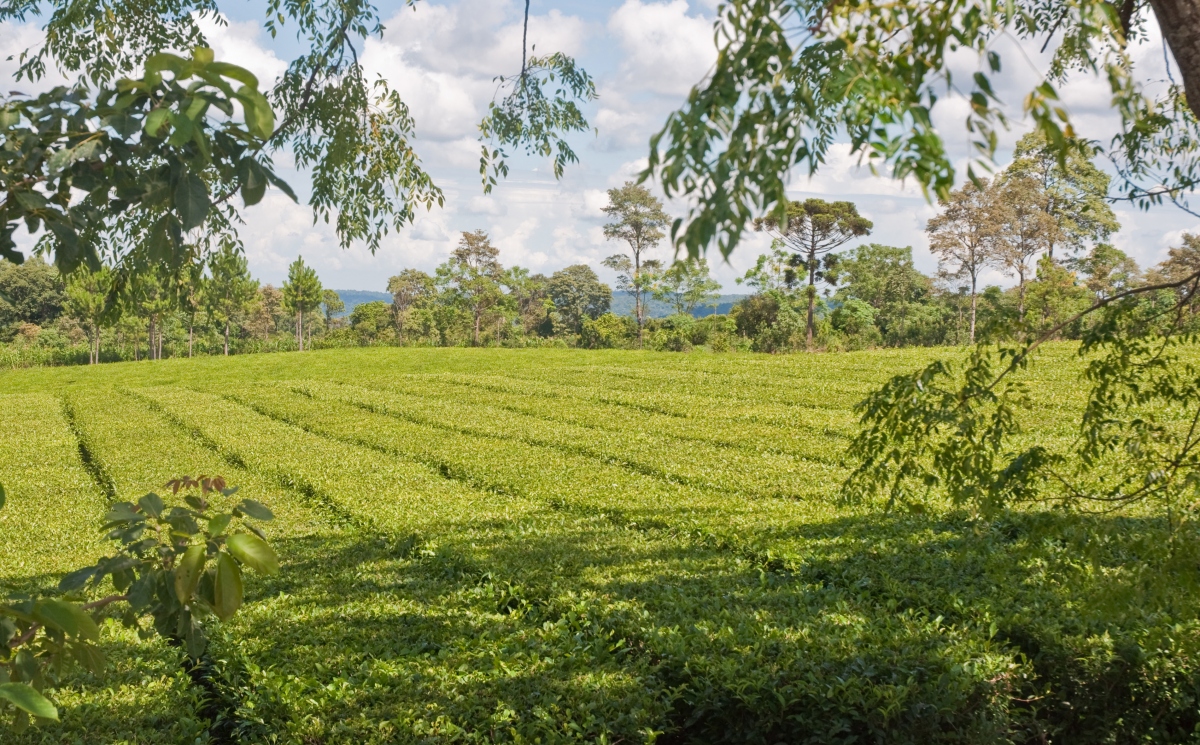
{"x": 937, "y": 430}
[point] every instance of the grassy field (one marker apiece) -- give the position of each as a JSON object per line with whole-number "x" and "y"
{"x": 553, "y": 546}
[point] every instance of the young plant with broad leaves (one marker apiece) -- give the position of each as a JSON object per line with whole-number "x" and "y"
{"x": 175, "y": 569}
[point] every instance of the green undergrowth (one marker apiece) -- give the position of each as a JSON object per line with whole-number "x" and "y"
{"x": 501, "y": 546}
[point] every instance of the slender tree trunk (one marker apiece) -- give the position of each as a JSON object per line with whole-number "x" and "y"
{"x": 226, "y": 337}
{"x": 973, "y": 308}
{"x": 638, "y": 310}
{"x": 300, "y": 330}
{"x": 812, "y": 299}
{"x": 150, "y": 339}
{"x": 191, "y": 337}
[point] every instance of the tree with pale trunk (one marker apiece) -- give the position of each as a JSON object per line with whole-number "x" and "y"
{"x": 811, "y": 230}
{"x": 639, "y": 220}
{"x": 961, "y": 238}
{"x": 230, "y": 289}
{"x": 87, "y": 301}
{"x": 302, "y": 293}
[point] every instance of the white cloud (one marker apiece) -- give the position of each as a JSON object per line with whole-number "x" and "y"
{"x": 667, "y": 51}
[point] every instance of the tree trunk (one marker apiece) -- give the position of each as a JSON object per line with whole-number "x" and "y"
{"x": 191, "y": 328}
{"x": 973, "y": 308}
{"x": 300, "y": 330}
{"x": 812, "y": 299}
{"x": 226, "y": 337}
{"x": 1179, "y": 21}
{"x": 638, "y": 311}
{"x": 475, "y": 338}
{"x": 150, "y": 339}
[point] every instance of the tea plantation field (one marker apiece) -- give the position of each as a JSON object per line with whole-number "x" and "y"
{"x": 565, "y": 546}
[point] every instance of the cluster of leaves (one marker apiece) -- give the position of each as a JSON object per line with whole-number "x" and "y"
{"x": 938, "y": 431}
{"x": 354, "y": 133}
{"x": 793, "y": 75}
{"x": 151, "y": 143}
{"x": 180, "y": 566}
{"x": 526, "y": 117}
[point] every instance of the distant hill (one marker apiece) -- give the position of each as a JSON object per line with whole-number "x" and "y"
{"x": 622, "y": 305}
{"x": 357, "y": 297}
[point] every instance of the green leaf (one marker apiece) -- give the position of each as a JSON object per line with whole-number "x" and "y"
{"x": 240, "y": 74}
{"x": 260, "y": 117}
{"x": 69, "y": 617}
{"x": 164, "y": 61}
{"x": 122, "y": 512}
{"x": 256, "y": 510}
{"x": 151, "y": 504}
{"x": 25, "y": 698}
{"x": 188, "y": 573}
{"x": 254, "y": 181}
{"x": 254, "y": 552}
{"x": 76, "y": 579}
{"x": 191, "y": 201}
{"x": 217, "y": 525}
{"x": 31, "y": 200}
{"x": 227, "y": 592}
{"x": 155, "y": 121}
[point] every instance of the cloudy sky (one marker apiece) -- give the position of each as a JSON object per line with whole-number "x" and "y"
{"x": 442, "y": 57}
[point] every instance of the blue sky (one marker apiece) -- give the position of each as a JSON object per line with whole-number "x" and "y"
{"x": 645, "y": 56}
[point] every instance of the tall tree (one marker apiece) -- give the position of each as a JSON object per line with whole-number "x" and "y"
{"x": 532, "y": 302}
{"x": 150, "y": 295}
{"x": 638, "y": 219}
{"x": 332, "y": 304}
{"x": 191, "y": 290}
{"x": 87, "y": 301}
{"x": 1022, "y": 228}
{"x": 812, "y": 229}
{"x": 686, "y": 285}
{"x": 1074, "y": 190}
{"x": 578, "y": 294}
{"x": 473, "y": 275}
{"x": 962, "y": 237}
{"x": 636, "y": 281}
{"x": 411, "y": 289}
{"x": 302, "y": 293}
{"x": 230, "y": 290}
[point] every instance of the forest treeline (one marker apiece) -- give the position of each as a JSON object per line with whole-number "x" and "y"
{"x": 1042, "y": 222}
